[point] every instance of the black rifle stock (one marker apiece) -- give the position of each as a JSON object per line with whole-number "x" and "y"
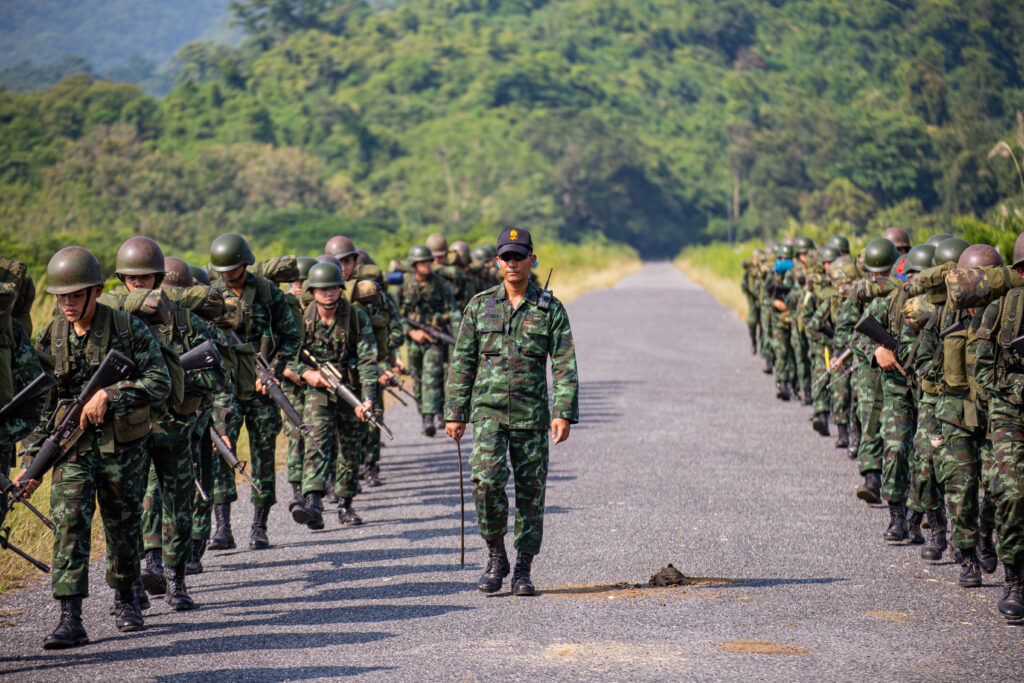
{"x": 204, "y": 356}
{"x": 874, "y": 331}
{"x": 958, "y": 326}
{"x": 230, "y": 458}
{"x": 33, "y": 390}
{"x": 777, "y": 290}
{"x": 437, "y": 333}
{"x": 334, "y": 379}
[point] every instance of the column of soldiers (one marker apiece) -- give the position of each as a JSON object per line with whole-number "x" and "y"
{"x": 154, "y": 380}
{"x": 916, "y": 355}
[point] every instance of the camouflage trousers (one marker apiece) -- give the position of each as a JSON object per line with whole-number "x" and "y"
{"x": 334, "y": 427}
{"x": 527, "y": 449}
{"x": 959, "y": 470}
{"x": 262, "y": 420}
{"x": 840, "y": 394}
{"x": 427, "y": 361}
{"x": 782, "y": 352}
{"x": 819, "y": 392}
{"x": 924, "y": 492}
{"x": 7, "y": 455}
{"x": 869, "y": 410}
{"x": 753, "y": 318}
{"x": 369, "y": 451}
{"x": 767, "y": 327}
{"x": 224, "y": 490}
{"x": 801, "y": 358}
{"x": 112, "y": 480}
{"x": 899, "y": 422}
{"x": 296, "y": 441}
{"x": 205, "y": 458}
{"x": 167, "y": 505}
{"x": 1006, "y": 425}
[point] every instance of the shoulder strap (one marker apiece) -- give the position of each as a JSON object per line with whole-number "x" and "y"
{"x": 183, "y": 321}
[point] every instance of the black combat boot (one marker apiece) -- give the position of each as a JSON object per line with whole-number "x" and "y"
{"x": 782, "y": 391}
{"x": 222, "y": 536}
{"x": 363, "y": 469}
{"x": 897, "y": 529}
{"x": 521, "y": 584}
{"x": 195, "y": 565}
{"x": 854, "y": 439}
{"x": 820, "y": 423}
{"x": 258, "y": 532}
{"x": 141, "y": 596}
{"x": 842, "y": 437}
{"x": 177, "y": 593}
{"x": 297, "y": 500}
{"x": 428, "y": 425}
{"x": 69, "y": 631}
{"x": 987, "y": 557}
{"x": 870, "y": 490}
{"x": 808, "y": 399}
{"x": 970, "y": 569}
{"x": 127, "y": 616}
{"x": 933, "y": 548}
{"x": 312, "y": 513}
{"x": 1012, "y": 604}
{"x": 373, "y": 476}
{"x": 497, "y": 567}
{"x": 768, "y": 368}
{"x": 153, "y": 573}
{"x": 914, "y": 536}
{"x": 346, "y": 515}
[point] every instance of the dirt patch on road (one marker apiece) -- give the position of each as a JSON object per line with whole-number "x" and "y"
{"x": 894, "y": 617}
{"x": 610, "y": 652}
{"x": 761, "y": 647}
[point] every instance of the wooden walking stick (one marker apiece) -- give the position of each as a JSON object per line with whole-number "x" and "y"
{"x": 462, "y": 509}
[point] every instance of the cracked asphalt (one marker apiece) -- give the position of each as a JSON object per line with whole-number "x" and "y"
{"x": 683, "y": 456}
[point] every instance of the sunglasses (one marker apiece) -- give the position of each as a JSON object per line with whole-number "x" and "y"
{"x": 512, "y": 256}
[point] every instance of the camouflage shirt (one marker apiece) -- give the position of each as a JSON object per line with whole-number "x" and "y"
{"x": 430, "y": 302}
{"x": 274, "y": 324}
{"x": 500, "y": 362}
{"x": 337, "y": 346}
{"x": 24, "y": 367}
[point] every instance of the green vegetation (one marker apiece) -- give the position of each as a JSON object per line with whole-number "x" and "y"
{"x": 632, "y": 120}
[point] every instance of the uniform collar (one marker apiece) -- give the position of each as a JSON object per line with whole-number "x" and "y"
{"x": 532, "y": 292}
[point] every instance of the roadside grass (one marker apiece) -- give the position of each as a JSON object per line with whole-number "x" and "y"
{"x": 718, "y": 269}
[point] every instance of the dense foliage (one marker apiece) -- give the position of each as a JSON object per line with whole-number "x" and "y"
{"x": 635, "y": 119}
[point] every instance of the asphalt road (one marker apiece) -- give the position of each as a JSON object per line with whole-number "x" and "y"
{"x": 683, "y": 456}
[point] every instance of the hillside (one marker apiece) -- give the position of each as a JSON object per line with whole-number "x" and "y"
{"x": 644, "y": 122}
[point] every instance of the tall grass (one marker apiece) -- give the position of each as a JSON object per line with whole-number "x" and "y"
{"x": 718, "y": 268}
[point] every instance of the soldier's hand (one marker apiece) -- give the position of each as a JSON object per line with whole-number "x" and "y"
{"x": 314, "y": 379}
{"x": 559, "y": 429}
{"x": 30, "y": 486}
{"x": 386, "y": 377}
{"x": 455, "y": 429}
{"x": 95, "y": 409}
{"x": 399, "y": 366}
{"x": 420, "y": 337}
{"x": 292, "y": 377}
{"x": 886, "y": 360}
{"x": 363, "y": 409}
{"x": 780, "y": 305}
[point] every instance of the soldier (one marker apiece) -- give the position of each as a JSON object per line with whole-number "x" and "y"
{"x": 749, "y": 285}
{"x": 105, "y": 463}
{"x": 297, "y": 299}
{"x": 458, "y": 282}
{"x": 499, "y": 366}
{"x": 460, "y": 257}
{"x": 899, "y": 237}
{"x": 781, "y": 319}
{"x": 806, "y": 262}
{"x": 267, "y": 326}
{"x": 840, "y": 244}
{"x": 425, "y": 298}
{"x": 819, "y": 335}
{"x": 334, "y": 332}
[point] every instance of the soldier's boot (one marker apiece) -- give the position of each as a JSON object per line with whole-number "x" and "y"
{"x": 428, "y": 425}
{"x": 439, "y": 422}
{"x": 346, "y": 515}
{"x": 842, "y": 436}
{"x": 222, "y": 539}
{"x": 987, "y": 557}
{"x": 141, "y": 595}
{"x": 932, "y": 550}
{"x": 331, "y": 497}
{"x": 521, "y": 584}
{"x": 970, "y": 569}
{"x": 914, "y": 536}
{"x": 870, "y": 490}
{"x": 195, "y": 565}
{"x": 1011, "y": 607}
{"x": 153, "y": 573}
{"x": 128, "y": 617}
{"x": 177, "y": 593}
{"x": 854, "y": 439}
{"x": 782, "y": 391}
{"x": 258, "y": 532}
{"x": 373, "y": 476}
{"x": 69, "y": 631}
{"x": 897, "y": 529}
{"x": 297, "y": 500}
{"x": 768, "y": 367}
{"x": 363, "y": 469}
{"x": 808, "y": 400}
{"x": 316, "y": 511}
{"x": 497, "y": 567}
{"x": 820, "y": 423}
{"x": 301, "y": 513}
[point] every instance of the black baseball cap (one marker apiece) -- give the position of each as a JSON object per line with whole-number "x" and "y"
{"x": 515, "y": 239}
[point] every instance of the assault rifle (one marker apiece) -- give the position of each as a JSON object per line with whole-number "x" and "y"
{"x": 1016, "y": 349}
{"x": 5, "y": 543}
{"x": 33, "y": 390}
{"x": 265, "y": 374}
{"x": 337, "y": 385}
{"x": 827, "y": 330}
{"x": 777, "y": 290}
{"x": 958, "y": 326}
{"x": 436, "y": 333}
{"x": 12, "y": 494}
{"x": 395, "y": 384}
{"x": 844, "y": 375}
{"x": 834, "y": 366}
{"x": 874, "y": 331}
{"x": 66, "y": 428}
{"x": 230, "y": 458}
{"x": 205, "y": 356}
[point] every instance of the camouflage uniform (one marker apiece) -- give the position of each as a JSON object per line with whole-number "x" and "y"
{"x": 866, "y": 379}
{"x": 18, "y": 360}
{"x": 97, "y": 469}
{"x": 781, "y": 350}
{"x": 750, "y": 287}
{"x": 295, "y": 393}
{"x": 499, "y": 365}
{"x": 431, "y": 303}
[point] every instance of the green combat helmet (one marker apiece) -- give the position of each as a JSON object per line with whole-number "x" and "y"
{"x": 460, "y": 253}
{"x": 230, "y": 251}
{"x": 179, "y": 273}
{"x": 979, "y": 256}
{"x": 828, "y": 254}
{"x": 199, "y": 275}
{"x": 419, "y": 253}
{"x": 72, "y": 269}
{"x": 897, "y": 236}
{"x": 880, "y": 255}
{"x": 304, "y": 263}
{"x": 919, "y": 258}
{"x": 140, "y": 256}
{"x": 479, "y": 255}
{"x": 840, "y": 244}
{"x": 786, "y": 252}
{"x": 937, "y": 238}
{"x": 340, "y": 246}
{"x": 327, "y": 258}
{"x": 324, "y": 274}
{"x": 949, "y": 250}
{"x": 803, "y": 245}
{"x": 1018, "y": 250}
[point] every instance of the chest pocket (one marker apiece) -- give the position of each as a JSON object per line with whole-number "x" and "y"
{"x": 491, "y": 332}
{"x": 536, "y": 338}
